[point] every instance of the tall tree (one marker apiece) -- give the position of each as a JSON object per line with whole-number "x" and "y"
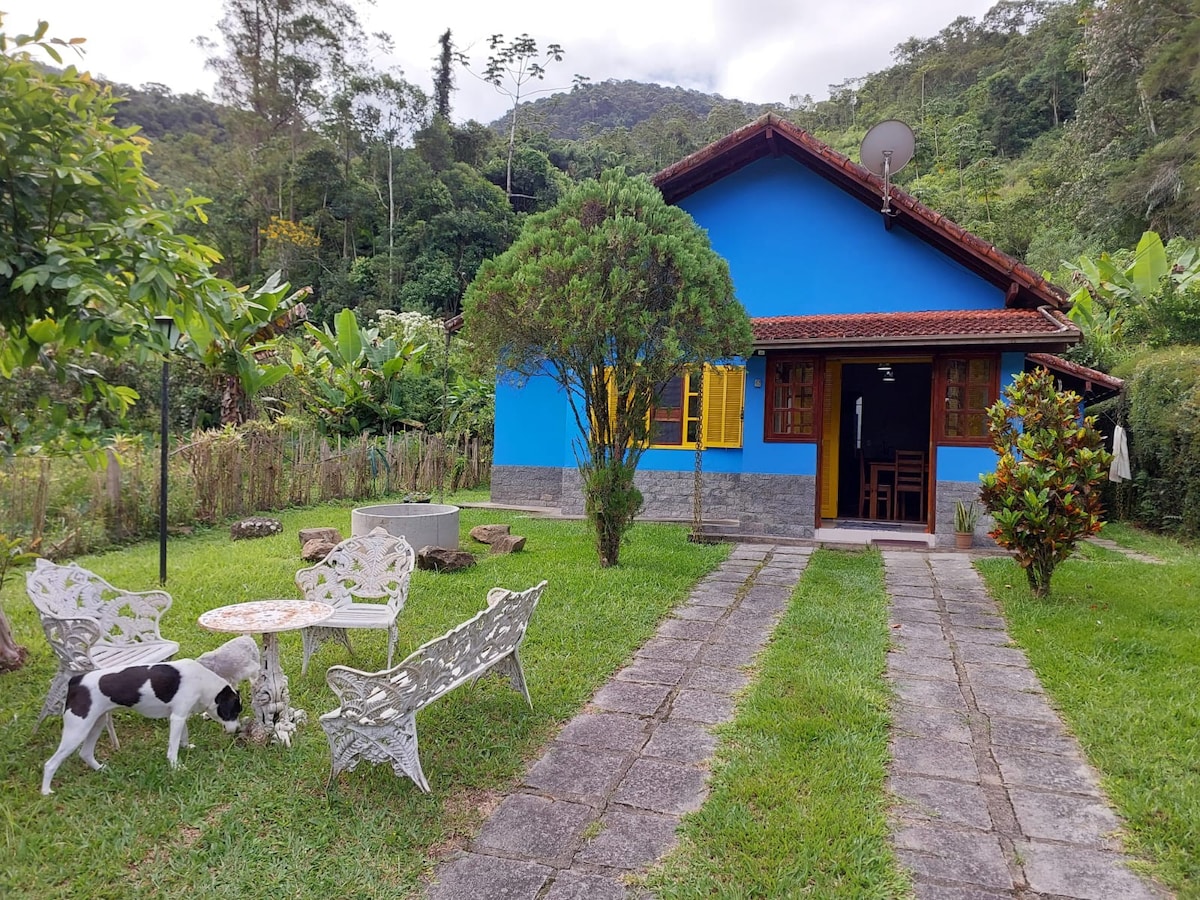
{"x": 280, "y": 61}
{"x": 443, "y": 78}
{"x": 511, "y": 67}
{"x": 613, "y": 293}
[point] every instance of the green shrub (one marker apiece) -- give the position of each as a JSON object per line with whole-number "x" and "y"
{"x": 1163, "y": 399}
{"x": 1045, "y": 493}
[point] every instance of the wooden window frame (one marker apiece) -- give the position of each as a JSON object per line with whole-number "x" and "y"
{"x": 700, "y": 420}
{"x": 942, "y": 384}
{"x": 685, "y": 420}
{"x": 769, "y": 433}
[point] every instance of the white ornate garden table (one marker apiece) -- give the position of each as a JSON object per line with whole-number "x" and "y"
{"x": 269, "y": 698}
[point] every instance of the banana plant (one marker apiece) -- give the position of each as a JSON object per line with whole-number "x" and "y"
{"x": 1155, "y": 295}
{"x": 351, "y": 377}
{"x": 229, "y": 336}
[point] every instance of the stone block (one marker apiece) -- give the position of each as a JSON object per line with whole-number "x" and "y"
{"x": 570, "y": 885}
{"x": 508, "y": 543}
{"x": 489, "y": 534}
{"x": 331, "y": 535}
{"x": 535, "y": 828}
{"x": 631, "y": 697}
{"x": 929, "y": 692}
{"x": 316, "y": 549}
{"x": 575, "y": 773}
{"x": 444, "y": 559}
{"x": 605, "y": 731}
{"x": 930, "y": 722}
{"x": 1045, "y": 771}
{"x": 671, "y": 650}
{"x": 1066, "y": 871}
{"x": 1063, "y": 817}
{"x": 630, "y": 840}
{"x": 475, "y": 875}
{"x": 682, "y": 742}
{"x": 702, "y": 706}
{"x": 662, "y": 787}
{"x": 255, "y": 527}
{"x": 950, "y": 854}
{"x": 935, "y": 758}
{"x": 940, "y": 799}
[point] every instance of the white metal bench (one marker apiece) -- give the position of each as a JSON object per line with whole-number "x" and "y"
{"x": 377, "y": 721}
{"x": 375, "y": 566}
{"x": 92, "y": 625}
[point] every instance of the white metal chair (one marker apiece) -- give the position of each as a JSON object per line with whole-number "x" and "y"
{"x": 371, "y": 567}
{"x": 92, "y": 625}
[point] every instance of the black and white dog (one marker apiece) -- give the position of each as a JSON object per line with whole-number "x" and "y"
{"x": 172, "y": 690}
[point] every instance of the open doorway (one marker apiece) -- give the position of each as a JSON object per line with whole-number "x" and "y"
{"x": 883, "y": 445}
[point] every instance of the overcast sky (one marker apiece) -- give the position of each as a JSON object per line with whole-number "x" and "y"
{"x": 754, "y": 50}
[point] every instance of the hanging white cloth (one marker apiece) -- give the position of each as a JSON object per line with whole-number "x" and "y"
{"x": 1119, "y": 470}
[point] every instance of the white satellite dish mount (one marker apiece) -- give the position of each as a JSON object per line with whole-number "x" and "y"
{"x": 887, "y": 148}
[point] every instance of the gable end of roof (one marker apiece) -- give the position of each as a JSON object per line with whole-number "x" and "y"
{"x": 771, "y": 136}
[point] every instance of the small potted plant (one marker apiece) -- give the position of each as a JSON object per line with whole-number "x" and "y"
{"x": 965, "y": 516}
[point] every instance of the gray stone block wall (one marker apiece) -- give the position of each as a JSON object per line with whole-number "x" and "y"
{"x": 764, "y": 504}
{"x": 533, "y": 485}
{"x": 783, "y": 505}
{"x": 948, "y": 494}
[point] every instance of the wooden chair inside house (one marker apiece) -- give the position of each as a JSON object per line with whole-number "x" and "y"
{"x": 871, "y": 491}
{"x": 910, "y": 481}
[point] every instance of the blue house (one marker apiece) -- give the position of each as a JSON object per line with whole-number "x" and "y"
{"x": 880, "y": 341}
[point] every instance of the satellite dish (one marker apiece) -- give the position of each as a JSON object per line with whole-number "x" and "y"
{"x": 887, "y": 148}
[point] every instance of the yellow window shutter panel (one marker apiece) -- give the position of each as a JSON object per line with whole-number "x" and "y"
{"x": 830, "y": 433}
{"x": 724, "y": 395}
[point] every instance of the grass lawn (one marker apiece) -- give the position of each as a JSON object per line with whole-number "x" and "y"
{"x": 244, "y": 821}
{"x": 798, "y": 806}
{"x": 1117, "y": 646}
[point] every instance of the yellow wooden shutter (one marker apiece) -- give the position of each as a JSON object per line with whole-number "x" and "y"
{"x": 830, "y": 433}
{"x": 724, "y": 394}
{"x": 611, "y": 384}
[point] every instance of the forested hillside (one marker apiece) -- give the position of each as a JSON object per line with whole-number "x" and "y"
{"x": 1053, "y": 129}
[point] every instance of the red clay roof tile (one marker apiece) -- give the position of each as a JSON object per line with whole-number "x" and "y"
{"x": 990, "y": 326}
{"x": 1058, "y": 364}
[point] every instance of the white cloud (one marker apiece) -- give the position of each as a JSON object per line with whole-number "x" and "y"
{"x": 753, "y": 50}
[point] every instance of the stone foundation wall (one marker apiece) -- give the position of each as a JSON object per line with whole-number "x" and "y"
{"x": 763, "y": 504}
{"x": 532, "y": 485}
{"x": 949, "y": 493}
{"x": 783, "y": 505}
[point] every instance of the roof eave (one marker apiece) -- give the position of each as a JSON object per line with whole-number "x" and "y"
{"x": 1013, "y": 342}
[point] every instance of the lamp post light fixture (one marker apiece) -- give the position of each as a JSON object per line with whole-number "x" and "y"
{"x": 166, "y": 327}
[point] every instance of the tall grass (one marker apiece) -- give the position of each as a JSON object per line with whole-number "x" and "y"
{"x": 63, "y": 508}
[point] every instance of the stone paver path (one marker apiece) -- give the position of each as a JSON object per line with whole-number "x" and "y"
{"x": 995, "y": 799}
{"x": 1114, "y": 547}
{"x": 606, "y": 797}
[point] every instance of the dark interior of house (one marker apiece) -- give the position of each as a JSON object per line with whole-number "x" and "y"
{"x": 884, "y": 442}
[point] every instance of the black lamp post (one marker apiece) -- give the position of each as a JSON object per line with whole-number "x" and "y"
{"x": 165, "y": 326}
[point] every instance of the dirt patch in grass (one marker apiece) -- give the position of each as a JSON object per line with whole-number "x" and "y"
{"x": 183, "y": 840}
{"x": 463, "y": 813}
